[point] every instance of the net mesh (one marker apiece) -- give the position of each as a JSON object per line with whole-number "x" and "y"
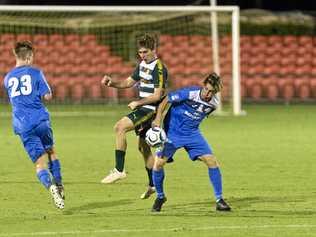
{"x": 75, "y": 49}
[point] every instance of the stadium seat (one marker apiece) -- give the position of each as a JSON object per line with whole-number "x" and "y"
{"x": 286, "y": 70}
{"x": 313, "y": 86}
{"x": 289, "y": 40}
{"x": 109, "y": 93}
{"x": 178, "y": 39}
{"x": 269, "y": 70}
{"x": 40, "y": 39}
{"x": 61, "y": 91}
{"x": 302, "y": 88}
{"x": 270, "y": 88}
{"x": 258, "y": 40}
{"x": 286, "y": 88}
{"x": 303, "y": 70}
{"x": 245, "y": 39}
{"x": 305, "y": 40}
{"x": 272, "y": 49}
{"x": 164, "y": 39}
{"x": 72, "y": 38}
{"x": 288, "y": 60}
{"x": 273, "y": 60}
{"x": 56, "y": 40}
{"x": 23, "y": 37}
{"x": 254, "y": 88}
{"x": 93, "y": 89}
{"x": 274, "y": 39}
{"x": 77, "y": 90}
{"x": 7, "y": 38}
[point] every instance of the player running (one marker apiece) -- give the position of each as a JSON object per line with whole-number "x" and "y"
{"x": 26, "y": 87}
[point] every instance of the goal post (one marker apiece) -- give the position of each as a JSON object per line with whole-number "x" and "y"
{"x": 98, "y": 20}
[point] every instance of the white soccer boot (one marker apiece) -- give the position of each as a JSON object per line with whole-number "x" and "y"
{"x": 114, "y": 176}
{"x": 59, "y": 202}
{"x": 150, "y": 190}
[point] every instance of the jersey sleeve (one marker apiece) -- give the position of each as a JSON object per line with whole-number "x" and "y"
{"x": 160, "y": 75}
{"x": 178, "y": 95}
{"x": 43, "y": 86}
{"x": 135, "y": 74}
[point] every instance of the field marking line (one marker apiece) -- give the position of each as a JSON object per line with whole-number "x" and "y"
{"x": 232, "y": 227}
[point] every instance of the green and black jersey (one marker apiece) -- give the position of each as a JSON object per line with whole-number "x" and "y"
{"x": 150, "y": 76}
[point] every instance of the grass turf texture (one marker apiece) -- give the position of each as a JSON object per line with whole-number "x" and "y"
{"x": 268, "y": 168}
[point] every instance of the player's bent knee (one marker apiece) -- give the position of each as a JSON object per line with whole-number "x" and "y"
{"x": 50, "y": 151}
{"x": 210, "y": 161}
{"x": 159, "y": 163}
{"x": 122, "y": 126}
{"x": 40, "y": 163}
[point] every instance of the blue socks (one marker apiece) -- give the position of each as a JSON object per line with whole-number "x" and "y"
{"x": 44, "y": 178}
{"x": 216, "y": 180}
{"x": 158, "y": 177}
{"x": 54, "y": 168}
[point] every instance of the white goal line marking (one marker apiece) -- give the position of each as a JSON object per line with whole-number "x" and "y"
{"x": 78, "y": 232}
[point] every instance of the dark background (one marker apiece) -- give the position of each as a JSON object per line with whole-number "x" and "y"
{"x": 276, "y": 5}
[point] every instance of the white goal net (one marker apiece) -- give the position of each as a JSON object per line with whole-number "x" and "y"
{"x": 76, "y": 46}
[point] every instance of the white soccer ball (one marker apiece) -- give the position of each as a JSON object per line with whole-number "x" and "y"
{"x": 155, "y": 137}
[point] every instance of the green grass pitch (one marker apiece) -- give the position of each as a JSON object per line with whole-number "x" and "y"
{"x": 268, "y": 161}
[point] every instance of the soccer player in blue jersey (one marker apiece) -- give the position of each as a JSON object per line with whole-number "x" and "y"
{"x": 188, "y": 107}
{"x": 26, "y": 87}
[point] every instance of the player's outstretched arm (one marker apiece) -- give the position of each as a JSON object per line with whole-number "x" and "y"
{"x": 108, "y": 81}
{"x": 160, "y": 112}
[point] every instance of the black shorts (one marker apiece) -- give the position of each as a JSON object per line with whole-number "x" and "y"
{"x": 142, "y": 119}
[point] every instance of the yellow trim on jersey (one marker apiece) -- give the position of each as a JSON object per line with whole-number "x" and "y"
{"x": 160, "y": 73}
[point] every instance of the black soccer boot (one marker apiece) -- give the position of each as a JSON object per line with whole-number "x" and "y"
{"x": 158, "y": 204}
{"x": 221, "y": 205}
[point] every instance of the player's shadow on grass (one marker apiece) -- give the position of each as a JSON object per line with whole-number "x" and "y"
{"x": 98, "y": 205}
{"x": 241, "y": 207}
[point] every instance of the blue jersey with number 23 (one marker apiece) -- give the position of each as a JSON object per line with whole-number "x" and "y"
{"x": 25, "y": 86}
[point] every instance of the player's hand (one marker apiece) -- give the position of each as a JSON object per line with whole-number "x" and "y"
{"x": 106, "y": 80}
{"x": 133, "y": 105}
{"x": 155, "y": 123}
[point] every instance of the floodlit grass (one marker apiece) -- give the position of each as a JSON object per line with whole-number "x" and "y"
{"x": 267, "y": 161}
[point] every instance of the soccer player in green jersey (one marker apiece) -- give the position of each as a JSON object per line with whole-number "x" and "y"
{"x": 151, "y": 75}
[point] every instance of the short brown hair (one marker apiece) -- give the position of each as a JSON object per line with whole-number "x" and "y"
{"x": 148, "y": 41}
{"x": 23, "y": 49}
{"x": 214, "y": 80}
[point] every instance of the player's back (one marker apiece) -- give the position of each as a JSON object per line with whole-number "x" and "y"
{"x": 25, "y": 86}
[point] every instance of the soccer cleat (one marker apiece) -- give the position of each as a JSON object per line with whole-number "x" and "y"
{"x": 221, "y": 205}
{"x": 158, "y": 204}
{"x": 59, "y": 202}
{"x": 114, "y": 176}
{"x": 150, "y": 190}
{"x": 61, "y": 190}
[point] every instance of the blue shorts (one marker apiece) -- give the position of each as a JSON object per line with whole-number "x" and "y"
{"x": 38, "y": 140}
{"x": 195, "y": 146}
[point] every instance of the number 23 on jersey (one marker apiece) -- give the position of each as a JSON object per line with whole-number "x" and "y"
{"x": 22, "y": 86}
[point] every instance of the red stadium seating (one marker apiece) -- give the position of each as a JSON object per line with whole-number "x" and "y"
{"x": 272, "y": 67}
